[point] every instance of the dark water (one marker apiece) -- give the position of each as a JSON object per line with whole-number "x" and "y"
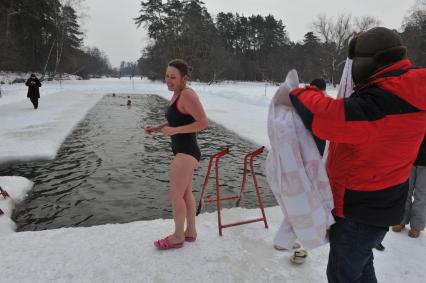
{"x": 109, "y": 171}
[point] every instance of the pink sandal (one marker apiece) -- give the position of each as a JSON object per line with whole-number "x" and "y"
{"x": 165, "y": 244}
{"x": 190, "y": 239}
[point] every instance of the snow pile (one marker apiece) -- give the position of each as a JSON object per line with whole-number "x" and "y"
{"x": 125, "y": 253}
{"x": 14, "y": 190}
{"x": 17, "y": 77}
{"x": 28, "y": 134}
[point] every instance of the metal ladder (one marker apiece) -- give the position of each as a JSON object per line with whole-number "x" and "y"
{"x": 247, "y": 159}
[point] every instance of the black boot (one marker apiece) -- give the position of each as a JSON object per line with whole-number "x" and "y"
{"x": 380, "y": 247}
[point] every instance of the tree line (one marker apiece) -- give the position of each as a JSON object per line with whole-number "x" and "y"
{"x": 128, "y": 69}
{"x": 45, "y": 36}
{"x": 256, "y": 48}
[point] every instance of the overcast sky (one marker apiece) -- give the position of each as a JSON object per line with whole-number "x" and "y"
{"x": 111, "y": 28}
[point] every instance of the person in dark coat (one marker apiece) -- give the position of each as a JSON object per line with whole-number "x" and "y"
{"x": 33, "y": 94}
{"x": 319, "y": 83}
{"x": 415, "y": 206}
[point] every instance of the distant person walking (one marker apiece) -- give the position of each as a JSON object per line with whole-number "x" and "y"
{"x": 33, "y": 94}
{"x": 185, "y": 117}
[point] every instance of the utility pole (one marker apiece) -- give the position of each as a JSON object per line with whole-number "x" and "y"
{"x": 133, "y": 82}
{"x": 133, "y": 76}
{"x": 263, "y": 79}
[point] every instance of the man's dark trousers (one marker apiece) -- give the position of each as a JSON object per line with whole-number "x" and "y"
{"x": 35, "y": 102}
{"x": 351, "y": 251}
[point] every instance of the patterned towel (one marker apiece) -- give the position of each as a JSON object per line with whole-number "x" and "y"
{"x": 296, "y": 175}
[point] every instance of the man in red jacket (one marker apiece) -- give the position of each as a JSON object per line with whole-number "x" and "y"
{"x": 375, "y": 135}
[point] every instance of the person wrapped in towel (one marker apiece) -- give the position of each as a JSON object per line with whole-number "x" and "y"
{"x": 297, "y": 176}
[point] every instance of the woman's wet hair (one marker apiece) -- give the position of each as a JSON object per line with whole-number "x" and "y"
{"x": 182, "y": 66}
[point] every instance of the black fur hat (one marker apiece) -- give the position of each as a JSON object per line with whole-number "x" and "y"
{"x": 319, "y": 83}
{"x": 373, "y": 50}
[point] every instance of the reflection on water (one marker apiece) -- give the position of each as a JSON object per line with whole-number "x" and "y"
{"x": 109, "y": 171}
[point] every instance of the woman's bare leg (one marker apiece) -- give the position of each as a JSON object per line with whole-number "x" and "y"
{"x": 181, "y": 174}
{"x": 190, "y": 230}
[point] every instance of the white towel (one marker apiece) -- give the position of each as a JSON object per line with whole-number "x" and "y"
{"x": 296, "y": 175}
{"x": 346, "y": 87}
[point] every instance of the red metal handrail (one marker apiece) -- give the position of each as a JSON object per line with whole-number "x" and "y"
{"x": 4, "y": 193}
{"x": 206, "y": 179}
{"x": 250, "y": 156}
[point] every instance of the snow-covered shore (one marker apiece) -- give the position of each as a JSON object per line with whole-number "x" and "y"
{"x": 124, "y": 252}
{"x": 13, "y": 191}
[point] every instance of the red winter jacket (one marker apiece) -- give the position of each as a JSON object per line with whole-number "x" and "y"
{"x": 375, "y": 136}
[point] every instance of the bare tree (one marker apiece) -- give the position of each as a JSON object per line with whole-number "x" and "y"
{"x": 324, "y": 27}
{"x": 335, "y": 35}
{"x": 416, "y": 15}
{"x": 365, "y": 23}
{"x": 61, "y": 24}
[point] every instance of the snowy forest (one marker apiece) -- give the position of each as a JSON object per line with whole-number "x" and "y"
{"x": 46, "y": 37}
{"x": 257, "y": 48}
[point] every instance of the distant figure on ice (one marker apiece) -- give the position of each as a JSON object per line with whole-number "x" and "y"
{"x": 185, "y": 117}
{"x": 129, "y": 102}
{"x": 375, "y": 136}
{"x": 33, "y": 92}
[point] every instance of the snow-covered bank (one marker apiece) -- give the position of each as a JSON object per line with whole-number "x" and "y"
{"x": 28, "y": 134}
{"x": 125, "y": 253}
{"x": 14, "y": 189}
{"x": 10, "y": 77}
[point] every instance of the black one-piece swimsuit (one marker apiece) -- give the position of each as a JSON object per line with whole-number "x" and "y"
{"x": 182, "y": 143}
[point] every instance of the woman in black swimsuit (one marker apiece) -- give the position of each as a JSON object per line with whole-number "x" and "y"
{"x": 185, "y": 117}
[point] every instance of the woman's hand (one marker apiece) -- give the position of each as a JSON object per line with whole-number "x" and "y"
{"x": 169, "y": 131}
{"x": 149, "y": 129}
